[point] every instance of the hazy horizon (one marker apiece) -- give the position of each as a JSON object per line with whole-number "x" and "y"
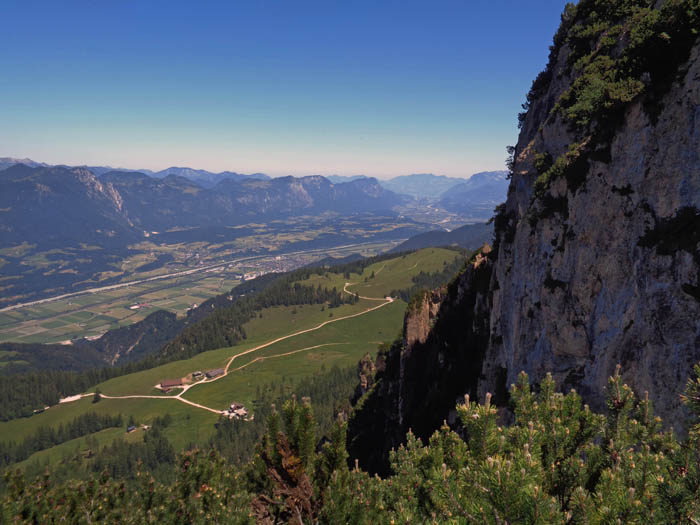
{"x": 142, "y": 168}
{"x": 285, "y": 89}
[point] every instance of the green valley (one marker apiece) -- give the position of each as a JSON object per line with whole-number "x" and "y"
{"x": 131, "y": 300}
{"x": 283, "y": 346}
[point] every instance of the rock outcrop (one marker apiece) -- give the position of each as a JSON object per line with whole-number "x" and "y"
{"x": 596, "y": 256}
{"x": 419, "y": 378}
{"x": 420, "y": 317}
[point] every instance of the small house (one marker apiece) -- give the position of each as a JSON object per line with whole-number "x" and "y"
{"x": 237, "y": 411}
{"x": 167, "y": 384}
{"x": 216, "y": 372}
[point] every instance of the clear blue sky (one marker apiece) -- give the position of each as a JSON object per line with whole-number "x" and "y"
{"x": 293, "y": 87}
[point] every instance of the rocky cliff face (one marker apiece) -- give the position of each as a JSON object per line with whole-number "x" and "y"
{"x": 597, "y": 252}
{"x": 418, "y": 379}
{"x": 599, "y": 266}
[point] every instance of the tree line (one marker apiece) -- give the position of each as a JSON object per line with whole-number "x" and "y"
{"x": 432, "y": 280}
{"x": 225, "y": 327}
{"x": 46, "y": 437}
{"x": 23, "y": 394}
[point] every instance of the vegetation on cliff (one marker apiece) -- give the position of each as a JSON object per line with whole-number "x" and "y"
{"x": 615, "y": 53}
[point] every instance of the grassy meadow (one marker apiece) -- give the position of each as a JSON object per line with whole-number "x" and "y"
{"x": 285, "y": 356}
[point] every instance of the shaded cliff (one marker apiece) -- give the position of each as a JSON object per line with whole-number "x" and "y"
{"x": 596, "y": 255}
{"x": 417, "y": 379}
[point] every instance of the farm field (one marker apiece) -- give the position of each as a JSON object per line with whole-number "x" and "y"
{"x": 92, "y": 314}
{"x": 31, "y": 273}
{"x": 284, "y": 345}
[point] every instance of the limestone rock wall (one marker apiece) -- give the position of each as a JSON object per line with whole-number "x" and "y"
{"x": 580, "y": 291}
{"x": 421, "y": 317}
{"x": 595, "y": 265}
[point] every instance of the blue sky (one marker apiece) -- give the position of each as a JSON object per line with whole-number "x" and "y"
{"x": 296, "y": 87}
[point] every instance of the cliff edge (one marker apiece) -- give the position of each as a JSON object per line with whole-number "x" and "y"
{"x": 596, "y": 257}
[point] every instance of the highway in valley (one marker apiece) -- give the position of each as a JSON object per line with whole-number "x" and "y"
{"x": 181, "y": 273}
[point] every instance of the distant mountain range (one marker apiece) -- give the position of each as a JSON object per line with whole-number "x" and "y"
{"x": 101, "y": 170}
{"x": 238, "y": 196}
{"x": 417, "y": 185}
{"x": 482, "y": 191}
{"x": 6, "y": 162}
{"x": 422, "y": 185}
{"x": 345, "y": 178}
{"x": 54, "y": 203}
{"x": 477, "y": 196}
{"x": 205, "y": 178}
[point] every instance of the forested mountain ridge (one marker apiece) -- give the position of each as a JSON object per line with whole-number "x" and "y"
{"x": 595, "y": 259}
{"x": 469, "y": 236}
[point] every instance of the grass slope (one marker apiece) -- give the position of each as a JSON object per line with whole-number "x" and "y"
{"x": 346, "y": 342}
{"x": 276, "y": 322}
{"x": 341, "y": 342}
{"x": 393, "y": 274}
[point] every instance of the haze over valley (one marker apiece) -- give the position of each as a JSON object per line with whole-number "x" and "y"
{"x": 67, "y": 229}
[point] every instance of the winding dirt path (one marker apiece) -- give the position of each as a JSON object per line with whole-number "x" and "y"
{"x": 345, "y": 289}
{"x": 385, "y": 301}
{"x": 178, "y": 398}
{"x": 264, "y": 357}
{"x": 380, "y": 269}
